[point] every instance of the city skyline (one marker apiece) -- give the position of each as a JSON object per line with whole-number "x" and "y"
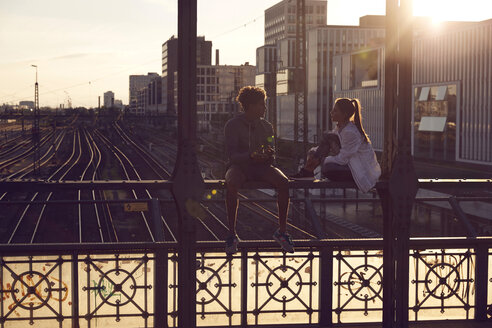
{"x": 84, "y": 49}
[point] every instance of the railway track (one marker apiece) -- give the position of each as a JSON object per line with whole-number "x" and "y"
{"x": 74, "y": 152}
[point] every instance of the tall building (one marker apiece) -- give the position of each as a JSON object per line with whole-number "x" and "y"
{"x": 149, "y": 98}
{"x": 217, "y": 88}
{"x": 276, "y": 59}
{"x": 138, "y": 82}
{"x": 170, "y": 65}
{"x": 280, "y": 19}
{"x": 323, "y": 42}
{"x": 451, "y": 84}
{"x": 108, "y": 99}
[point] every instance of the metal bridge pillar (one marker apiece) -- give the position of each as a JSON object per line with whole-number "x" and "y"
{"x": 397, "y": 163}
{"x": 188, "y": 186}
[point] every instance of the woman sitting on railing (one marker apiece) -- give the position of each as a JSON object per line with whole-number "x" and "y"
{"x": 346, "y": 153}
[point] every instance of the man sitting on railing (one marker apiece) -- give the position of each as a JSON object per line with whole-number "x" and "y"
{"x": 249, "y": 147}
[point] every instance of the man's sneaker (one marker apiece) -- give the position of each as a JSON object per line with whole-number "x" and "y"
{"x": 284, "y": 240}
{"x": 303, "y": 174}
{"x": 231, "y": 244}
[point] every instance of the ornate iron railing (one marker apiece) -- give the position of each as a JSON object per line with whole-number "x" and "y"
{"x": 324, "y": 282}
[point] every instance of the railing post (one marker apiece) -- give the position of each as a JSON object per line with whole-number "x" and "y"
{"x": 75, "y": 290}
{"x": 160, "y": 288}
{"x": 326, "y": 287}
{"x": 244, "y": 288}
{"x": 155, "y": 213}
{"x": 388, "y": 259}
{"x": 160, "y": 272}
{"x": 481, "y": 275}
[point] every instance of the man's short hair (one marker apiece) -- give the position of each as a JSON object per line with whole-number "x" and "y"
{"x": 250, "y": 95}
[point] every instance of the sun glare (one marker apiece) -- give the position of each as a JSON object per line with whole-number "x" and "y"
{"x": 453, "y": 10}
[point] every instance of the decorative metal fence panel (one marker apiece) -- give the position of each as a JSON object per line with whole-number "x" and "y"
{"x": 489, "y": 289}
{"x": 36, "y": 291}
{"x": 113, "y": 291}
{"x": 107, "y": 288}
{"x": 358, "y": 281}
{"x": 270, "y": 288}
{"x": 116, "y": 290}
{"x": 442, "y": 284}
{"x": 283, "y": 289}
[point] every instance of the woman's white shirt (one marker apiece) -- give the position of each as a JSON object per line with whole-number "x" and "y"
{"x": 358, "y": 155}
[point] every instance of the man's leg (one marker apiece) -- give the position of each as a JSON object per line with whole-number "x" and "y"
{"x": 280, "y": 182}
{"x": 234, "y": 179}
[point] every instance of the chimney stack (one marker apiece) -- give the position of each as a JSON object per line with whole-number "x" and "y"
{"x": 217, "y": 57}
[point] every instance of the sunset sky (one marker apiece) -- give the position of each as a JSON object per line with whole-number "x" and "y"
{"x": 86, "y": 47}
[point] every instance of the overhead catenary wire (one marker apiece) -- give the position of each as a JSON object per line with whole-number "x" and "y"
{"x": 237, "y": 27}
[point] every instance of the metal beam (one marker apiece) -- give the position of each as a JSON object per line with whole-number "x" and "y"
{"x": 249, "y": 245}
{"x": 314, "y": 218}
{"x": 44, "y": 185}
{"x": 461, "y": 215}
{"x": 188, "y": 184}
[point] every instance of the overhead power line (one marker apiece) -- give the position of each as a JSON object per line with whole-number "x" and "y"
{"x": 238, "y": 27}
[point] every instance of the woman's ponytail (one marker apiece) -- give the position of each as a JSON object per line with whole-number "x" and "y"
{"x": 358, "y": 119}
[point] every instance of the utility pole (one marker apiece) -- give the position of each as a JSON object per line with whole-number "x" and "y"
{"x": 272, "y": 96}
{"x": 300, "y": 109}
{"x": 22, "y": 114}
{"x": 35, "y": 126}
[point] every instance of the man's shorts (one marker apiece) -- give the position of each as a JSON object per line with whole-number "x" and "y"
{"x": 258, "y": 172}
{"x": 251, "y": 172}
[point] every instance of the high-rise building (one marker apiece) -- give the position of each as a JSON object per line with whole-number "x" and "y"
{"x": 138, "y": 82}
{"x": 276, "y": 64}
{"x": 451, "y": 88}
{"x": 216, "y": 90}
{"x": 149, "y": 98}
{"x": 280, "y": 19}
{"x": 323, "y": 43}
{"x": 108, "y": 99}
{"x": 170, "y": 65}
